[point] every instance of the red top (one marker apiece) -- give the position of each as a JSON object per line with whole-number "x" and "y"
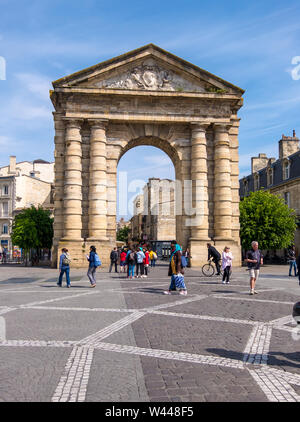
{"x": 146, "y": 259}
{"x": 123, "y": 256}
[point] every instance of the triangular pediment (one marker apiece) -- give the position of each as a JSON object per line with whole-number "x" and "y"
{"x": 148, "y": 68}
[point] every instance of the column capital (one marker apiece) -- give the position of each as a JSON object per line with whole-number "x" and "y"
{"x": 73, "y": 122}
{"x": 222, "y": 127}
{"x": 199, "y": 126}
{"x": 98, "y": 123}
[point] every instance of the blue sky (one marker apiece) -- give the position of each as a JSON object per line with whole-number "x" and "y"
{"x": 250, "y": 44}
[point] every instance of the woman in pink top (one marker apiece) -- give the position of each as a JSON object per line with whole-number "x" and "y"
{"x": 226, "y": 264}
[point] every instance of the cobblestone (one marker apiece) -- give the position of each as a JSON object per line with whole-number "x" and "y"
{"x": 126, "y": 341}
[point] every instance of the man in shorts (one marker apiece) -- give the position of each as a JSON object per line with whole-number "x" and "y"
{"x": 254, "y": 259}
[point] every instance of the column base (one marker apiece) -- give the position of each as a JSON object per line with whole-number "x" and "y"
{"x": 199, "y": 252}
{"x": 235, "y": 249}
{"x": 78, "y": 249}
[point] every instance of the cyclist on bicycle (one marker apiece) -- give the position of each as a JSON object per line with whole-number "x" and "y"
{"x": 215, "y": 255}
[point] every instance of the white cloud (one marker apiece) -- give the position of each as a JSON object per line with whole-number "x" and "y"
{"x": 35, "y": 83}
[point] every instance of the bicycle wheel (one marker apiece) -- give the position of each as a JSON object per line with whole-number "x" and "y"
{"x": 208, "y": 270}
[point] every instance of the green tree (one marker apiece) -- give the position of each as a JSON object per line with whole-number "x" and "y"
{"x": 266, "y": 218}
{"x": 33, "y": 229}
{"x": 123, "y": 234}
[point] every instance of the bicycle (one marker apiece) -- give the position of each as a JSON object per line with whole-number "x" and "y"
{"x": 209, "y": 269}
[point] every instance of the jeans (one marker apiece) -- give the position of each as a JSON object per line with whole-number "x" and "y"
{"x": 131, "y": 270}
{"x": 64, "y": 269}
{"x": 111, "y": 265}
{"x": 140, "y": 268}
{"x": 226, "y": 273}
{"x": 153, "y": 262}
{"x": 91, "y": 275}
{"x": 293, "y": 265}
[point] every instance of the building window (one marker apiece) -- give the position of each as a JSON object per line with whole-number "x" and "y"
{"x": 256, "y": 182}
{"x": 286, "y": 170}
{"x": 4, "y": 209}
{"x": 5, "y": 229}
{"x": 270, "y": 176}
{"x": 5, "y": 190}
{"x": 287, "y": 198}
{"x": 246, "y": 187}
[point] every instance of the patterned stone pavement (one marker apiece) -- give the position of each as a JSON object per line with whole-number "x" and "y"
{"x": 127, "y": 342}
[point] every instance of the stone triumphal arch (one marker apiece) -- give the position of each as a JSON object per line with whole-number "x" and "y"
{"x": 145, "y": 97}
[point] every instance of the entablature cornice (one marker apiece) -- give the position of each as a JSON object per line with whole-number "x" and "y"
{"x": 145, "y": 118}
{"x": 132, "y": 93}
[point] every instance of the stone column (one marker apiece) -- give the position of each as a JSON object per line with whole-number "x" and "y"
{"x": 73, "y": 182}
{"x": 199, "y": 181}
{"x": 59, "y": 156}
{"x": 98, "y": 181}
{"x": 222, "y": 184}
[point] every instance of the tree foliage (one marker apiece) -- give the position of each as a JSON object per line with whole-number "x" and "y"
{"x": 123, "y": 234}
{"x": 33, "y": 229}
{"x": 266, "y": 218}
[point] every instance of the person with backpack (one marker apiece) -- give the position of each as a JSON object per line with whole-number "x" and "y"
{"x": 176, "y": 271}
{"x": 64, "y": 267}
{"x": 215, "y": 255}
{"x": 114, "y": 260}
{"x": 130, "y": 260}
{"x": 94, "y": 262}
{"x": 140, "y": 256}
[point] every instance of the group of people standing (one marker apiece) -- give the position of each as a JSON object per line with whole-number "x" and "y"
{"x": 133, "y": 260}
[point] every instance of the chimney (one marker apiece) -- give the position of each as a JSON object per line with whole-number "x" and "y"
{"x": 288, "y": 145}
{"x": 258, "y": 163}
{"x": 12, "y": 164}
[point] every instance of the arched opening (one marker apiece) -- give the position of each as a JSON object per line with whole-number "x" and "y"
{"x": 146, "y": 192}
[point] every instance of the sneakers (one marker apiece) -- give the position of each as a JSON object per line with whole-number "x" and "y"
{"x": 68, "y": 286}
{"x": 93, "y": 285}
{"x": 183, "y": 292}
{"x": 224, "y": 282}
{"x": 167, "y": 292}
{"x": 251, "y": 292}
{"x": 255, "y": 292}
{"x": 58, "y": 284}
{"x": 227, "y": 282}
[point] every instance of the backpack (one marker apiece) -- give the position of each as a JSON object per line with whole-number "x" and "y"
{"x": 183, "y": 261}
{"x": 97, "y": 261}
{"x": 66, "y": 260}
{"x": 131, "y": 257}
{"x": 154, "y": 255}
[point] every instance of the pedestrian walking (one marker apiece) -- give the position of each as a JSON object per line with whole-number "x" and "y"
{"x": 227, "y": 258}
{"x": 292, "y": 261}
{"x": 215, "y": 255}
{"x": 94, "y": 262}
{"x": 64, "y": 267}
{"x": 140, "y": 256}
{"x": 254, "y": 259}
{"x": 176, "y": 271}
{"x": 146, "y": 263}
{"x": 114, "y": 260}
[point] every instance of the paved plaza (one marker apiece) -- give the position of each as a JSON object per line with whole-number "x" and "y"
{"x": 125, "y": 341}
